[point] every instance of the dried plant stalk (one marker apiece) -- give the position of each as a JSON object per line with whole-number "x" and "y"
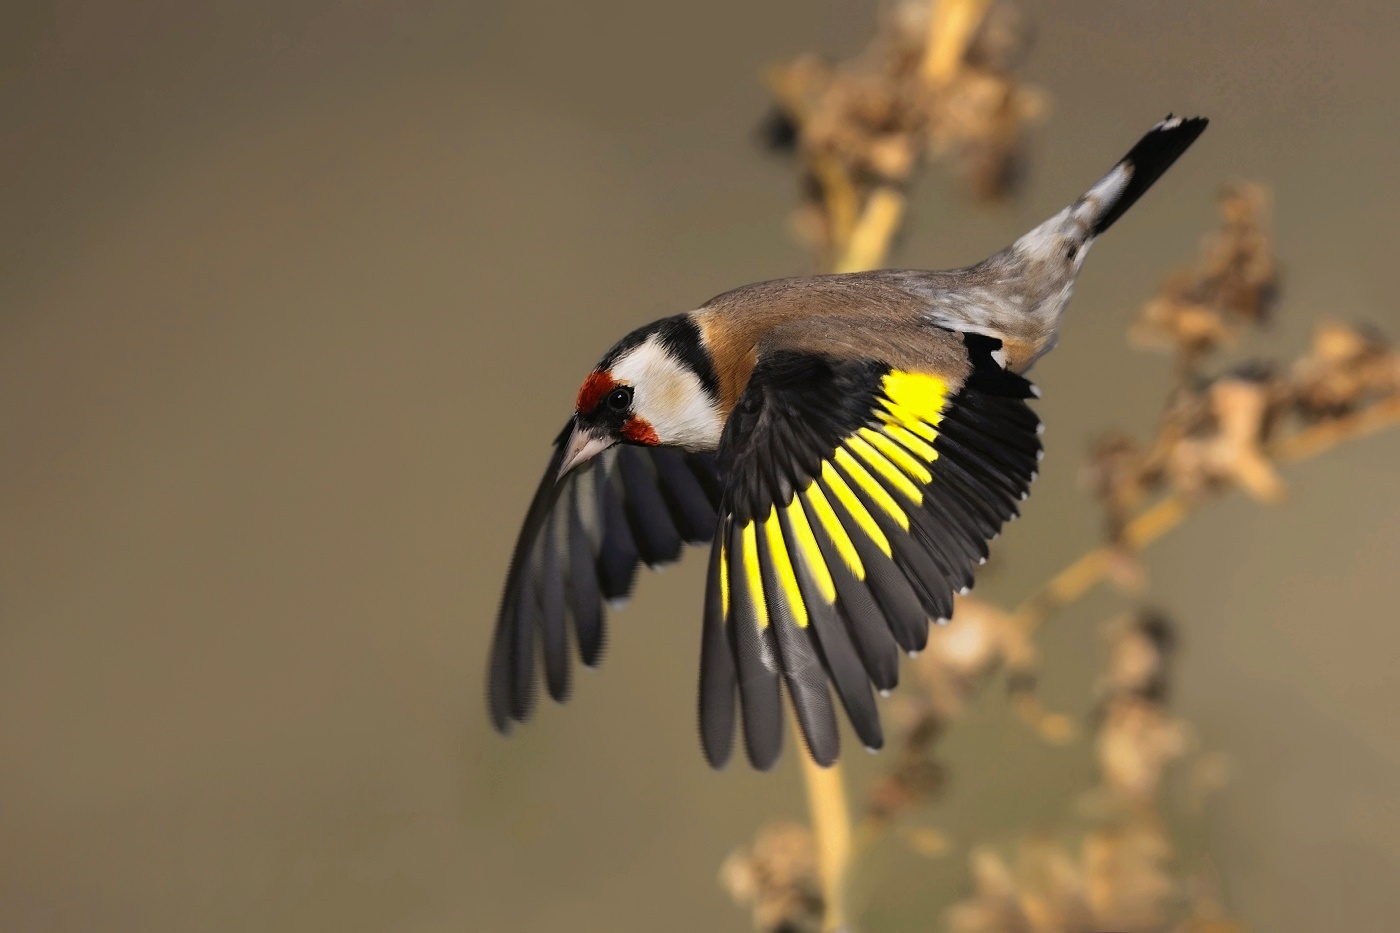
{"x": 1229, "y": 432}
{"x": 1090, "y": 569}
{"x": 831, "y": 828}
{"x": 950, "y": 31}
{"x": 859, "y": 140}
{"x": 940, "y": 85}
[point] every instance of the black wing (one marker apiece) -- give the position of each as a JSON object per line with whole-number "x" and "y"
{"x": 857, "y": 501}
{"x": 581, "y": 544}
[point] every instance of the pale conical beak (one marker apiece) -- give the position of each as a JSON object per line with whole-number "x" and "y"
{"x": 583, "y": 445}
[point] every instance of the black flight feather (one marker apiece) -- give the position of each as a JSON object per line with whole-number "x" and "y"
{"x": 864, "y": 621}
{"x": 717, "y": 679}
{"x": 836, "y": 650}
{"x": 554, "y": 638}
{"x": 657, "y": 538}
{"x": 756, "y": 659}
{"x": 582, "y": 540}
{"x": 618, "y": 556}
{"x": 802, "y": 670}
{"x": 686, "y": 499}
{"x": 585, "y": 600}
{"x": 898, "y": 602}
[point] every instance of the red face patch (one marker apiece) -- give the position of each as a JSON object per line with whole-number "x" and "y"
{"x": 594, "y": 388}
{"x": 640, "y": 432}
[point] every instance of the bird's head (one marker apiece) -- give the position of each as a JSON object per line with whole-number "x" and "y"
{"x": 655, "y": 387}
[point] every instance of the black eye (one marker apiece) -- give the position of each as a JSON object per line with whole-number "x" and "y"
{"x": 620, "y": 399}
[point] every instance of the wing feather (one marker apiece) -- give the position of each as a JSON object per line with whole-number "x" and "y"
{"x": 522, "y": 659}
{"x": 899, "y": 604}
{"x": 985, "y": 506}
{"x": 717, "y": 673}
{"x": 848, "y": 503}
{"x": 864, "y": 621}
{"x": 618, "y": 557}
{"x": 554, "y": 638}
{"x": 993, "y": 466}
{"x": 584, "y": 596}
{"x": 801, "y": 668}
{"x": 582, "y": 540}
{"x": 827, "y": 630}
{"x": 755, "y": 654}
{"x": 692, "y": 508}
{"x": 857, "y": 499}
{"x": 655, "y": 532}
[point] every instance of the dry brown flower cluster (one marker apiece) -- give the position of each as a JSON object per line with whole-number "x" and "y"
{"x": 776, "y": 877}
{"x": 1217, "y": 433}
{"x": 1210, "y": 437}
{"x": 1228, "y": 431}
{"x": 1233, "y": 284}
{"x": 944, "y": 678}
{"x": 1119, "y": 874}
{"x": 937, "y": 83}
{"x": 1347, "y": 370}
{"x": 940, "y": 84}
{"x": 1113, "y": 879}
{"x": 1137, "y": 737}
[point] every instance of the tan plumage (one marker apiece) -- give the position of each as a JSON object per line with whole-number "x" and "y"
{"x": 848, "y": 444}
{"x": 845, "y": 316}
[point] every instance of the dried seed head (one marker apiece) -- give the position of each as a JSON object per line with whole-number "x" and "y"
{"x": 930, "y": 85}
{"x": 776, "y": 877}
{"x": 1233, "y": 284}
{"x": 1345, "y": 369}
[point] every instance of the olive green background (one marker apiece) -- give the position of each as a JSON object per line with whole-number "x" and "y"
{"x": 293, "y": 297}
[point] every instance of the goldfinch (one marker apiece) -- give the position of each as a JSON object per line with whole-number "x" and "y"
{"x": 846, "y": 444}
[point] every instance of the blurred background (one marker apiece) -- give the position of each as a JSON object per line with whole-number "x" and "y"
{"x": 295, "y": 296}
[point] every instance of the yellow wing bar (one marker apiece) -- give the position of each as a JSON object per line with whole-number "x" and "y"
{"x": 885, "y": 462}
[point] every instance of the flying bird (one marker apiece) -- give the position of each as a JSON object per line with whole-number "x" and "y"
{"x": 846, "y": 444}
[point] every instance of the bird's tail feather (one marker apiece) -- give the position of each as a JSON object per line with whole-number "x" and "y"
{"x": 1138, "y": 170}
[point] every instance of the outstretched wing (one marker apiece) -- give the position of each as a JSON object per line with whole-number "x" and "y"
{"x": 582, "y": 541}
{"x": 857, "y": 501}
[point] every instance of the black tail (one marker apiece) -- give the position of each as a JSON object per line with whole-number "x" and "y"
{"x": 1146, "y": 162}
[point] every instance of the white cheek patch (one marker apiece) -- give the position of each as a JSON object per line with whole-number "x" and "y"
{"x": 670, "y": 397}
